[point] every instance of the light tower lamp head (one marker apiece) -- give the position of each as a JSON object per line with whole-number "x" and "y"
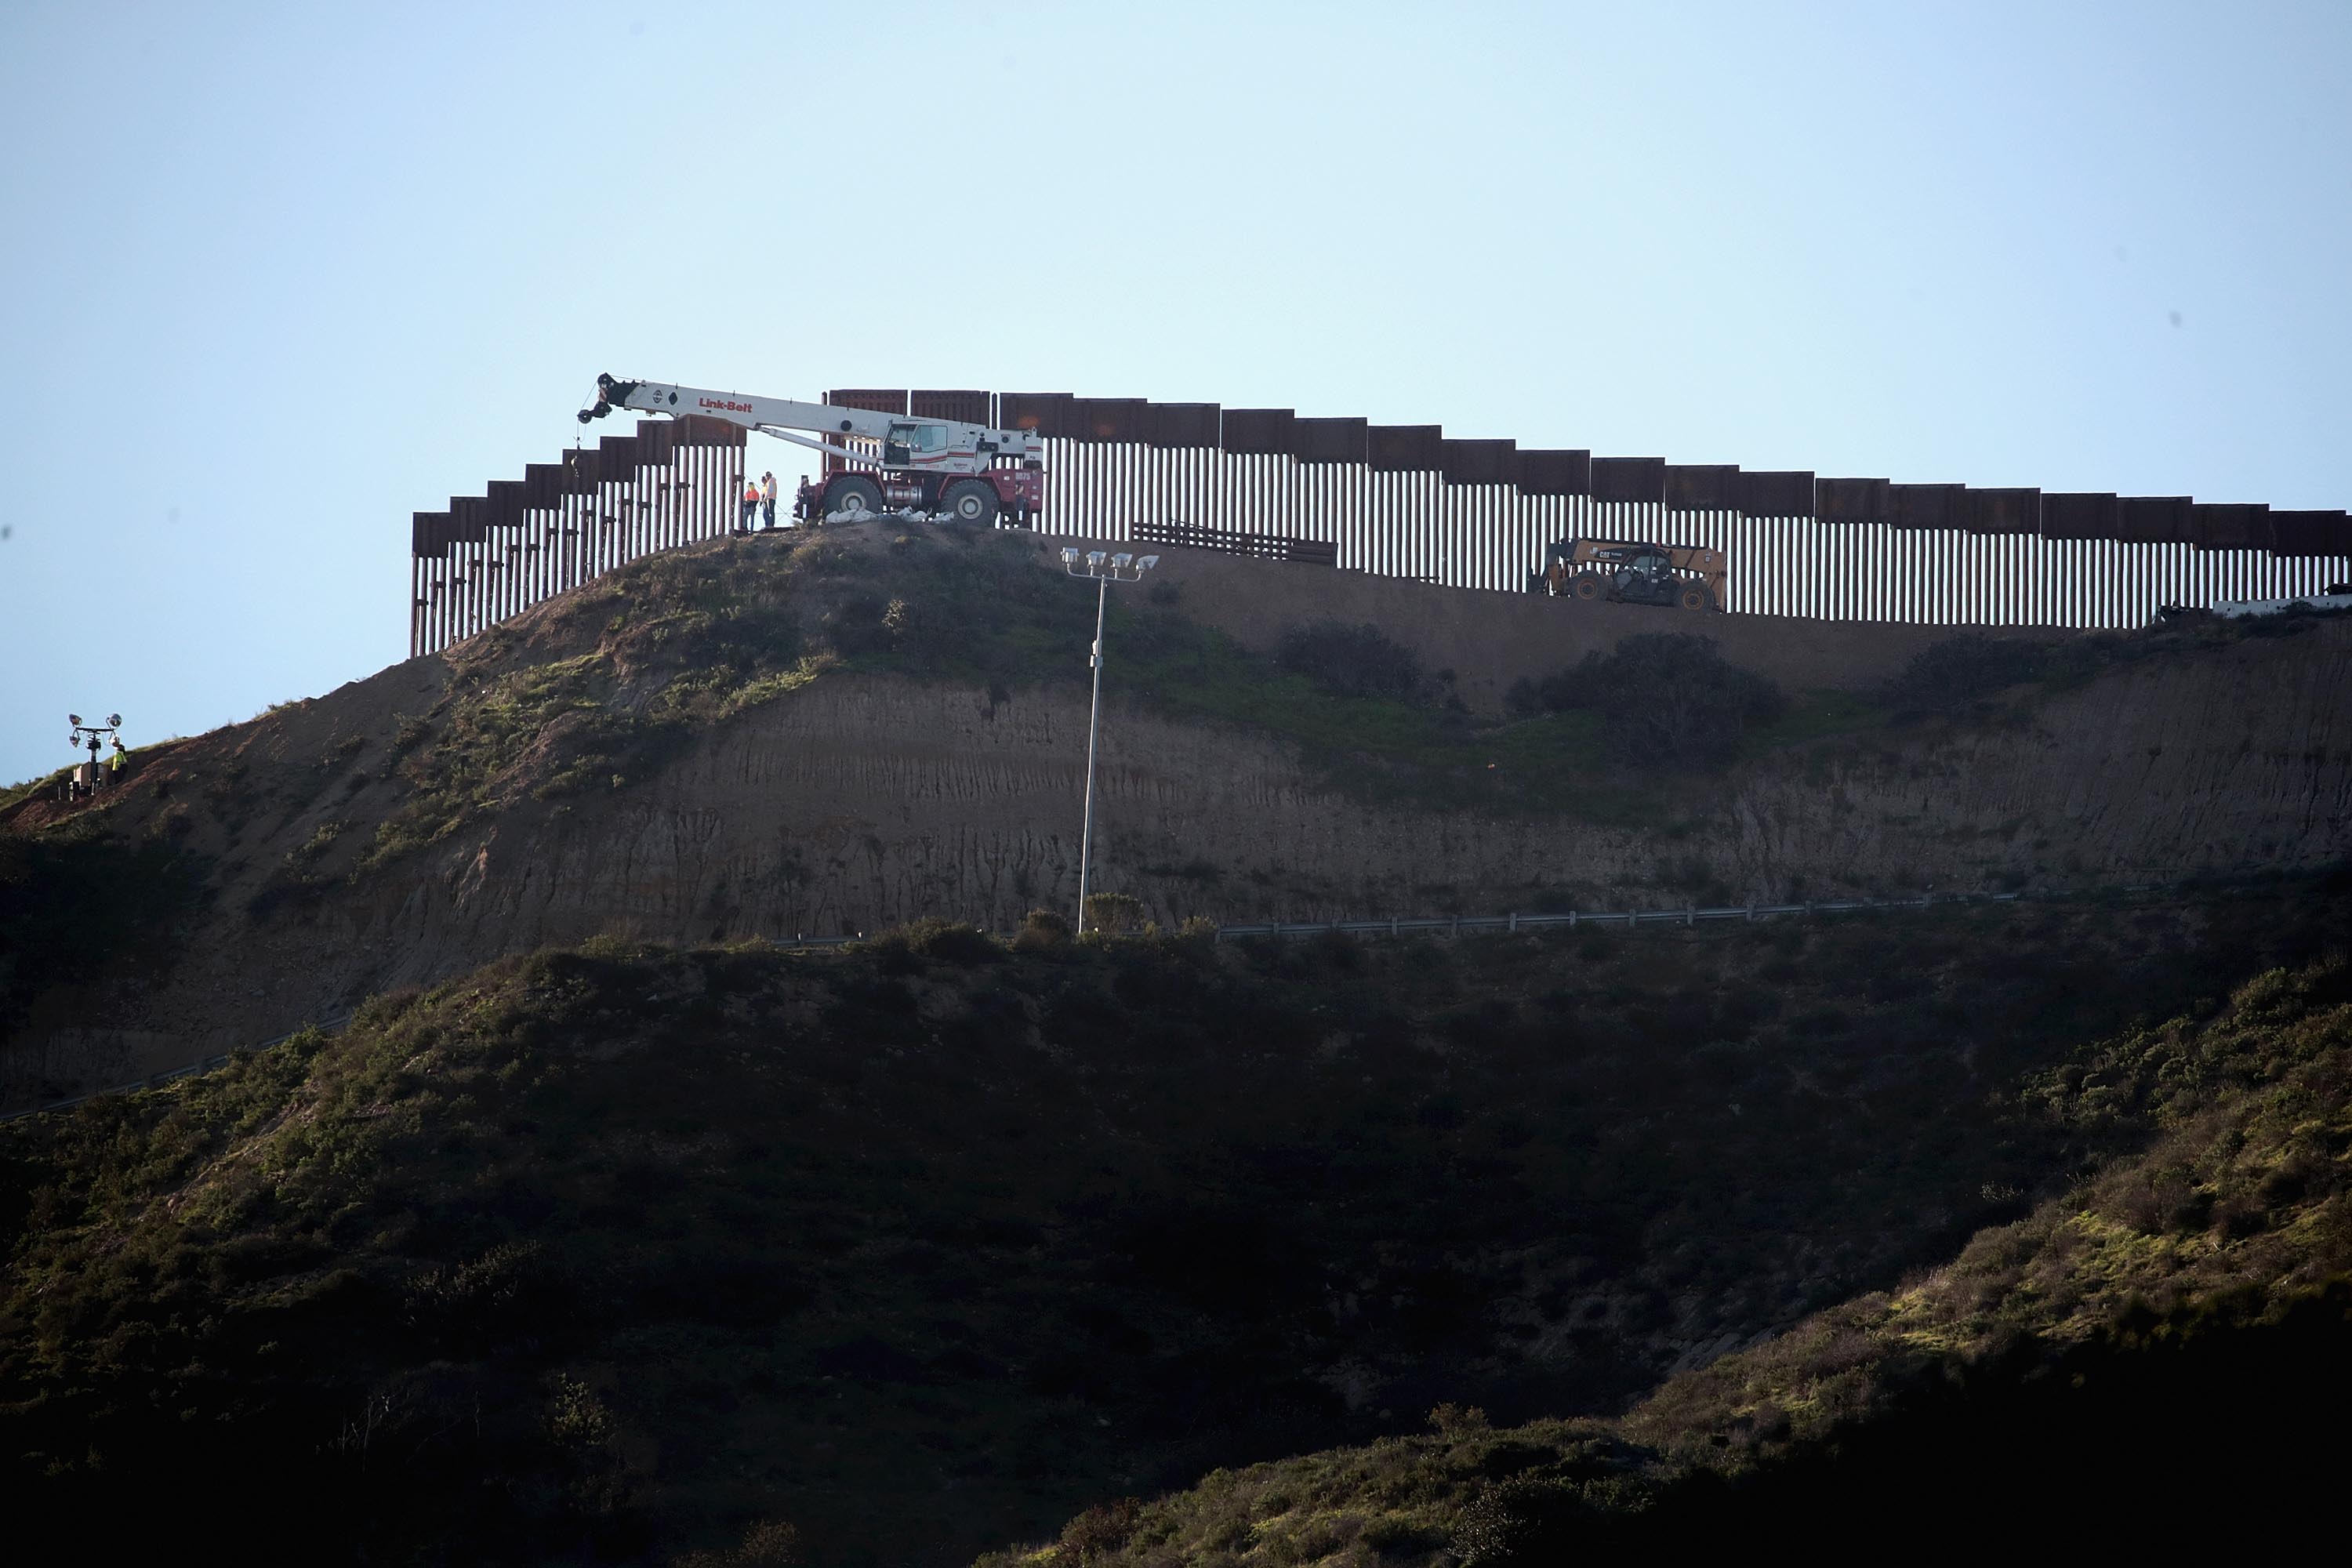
{"x": 1095, "y": 558}
{"x": 1119, "y": 562}
{"x": 1146, "y": 563}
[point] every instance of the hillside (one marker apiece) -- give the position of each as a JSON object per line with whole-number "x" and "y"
{"x": 766, "y": 736}
{"x": 2159, "y": 1354}
{"x": 924, "y": 1247}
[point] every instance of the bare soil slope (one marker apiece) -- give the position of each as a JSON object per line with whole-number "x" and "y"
{"x": 755, "y": 739}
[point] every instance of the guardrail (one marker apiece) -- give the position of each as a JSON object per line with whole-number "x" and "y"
{"x": 1445, "y": 925}
{"x": 158, "y": 1079}
{"x": 1453, "y": 925}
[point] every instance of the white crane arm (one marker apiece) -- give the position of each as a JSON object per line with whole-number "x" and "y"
{"x": 737, "y": 408}
{"x": 958, "y": 446}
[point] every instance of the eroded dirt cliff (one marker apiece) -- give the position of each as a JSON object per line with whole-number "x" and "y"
{"x": 854, "y": 799}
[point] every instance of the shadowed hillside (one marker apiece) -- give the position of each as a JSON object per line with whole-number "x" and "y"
{"x": 2141, "y": 1358}
{"x": 921, "y": 1248}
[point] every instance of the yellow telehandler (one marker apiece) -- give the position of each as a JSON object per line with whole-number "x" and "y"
{"x": 1690, "y": 575}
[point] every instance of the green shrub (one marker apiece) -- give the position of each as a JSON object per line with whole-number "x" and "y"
{"x": 1518, "y": 1522}
{"x": 320, "y": 840}
{"x": 1042, "y": 930}
{"x": 1100, "y": 1531}
{"x": 1391, "y": 1534}
{"x": 860, "y": 624}
{"x": 1454, "y": 1420}
{"x": 770, "y": 1543}
{"x": 1962, "y": 672}
{"x": 1354, "y": 661}
{"x": 1664, "y": 697}
{"x": 944, "y": 940}
{"x": 1115, "y": 913}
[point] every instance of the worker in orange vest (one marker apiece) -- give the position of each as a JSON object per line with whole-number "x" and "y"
{"x": 751, "y": 503}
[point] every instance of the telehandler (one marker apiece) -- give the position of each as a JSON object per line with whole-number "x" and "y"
{"x": 1690, "y": 575}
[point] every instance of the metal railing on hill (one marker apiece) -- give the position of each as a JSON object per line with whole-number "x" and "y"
{"x": 1238, "y": 542}
{"x": 1454, "y": 925}
{"x": 1420, "y": 925}
{"x": 158, "y": 1079}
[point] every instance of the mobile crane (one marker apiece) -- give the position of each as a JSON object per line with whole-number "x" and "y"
{"x": 973, "y": 474}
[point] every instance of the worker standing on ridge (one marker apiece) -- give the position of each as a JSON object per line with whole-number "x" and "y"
{"x": 768, "y": 499}
{"x": 751, "y": 505}
{"x": 116, "y": 764}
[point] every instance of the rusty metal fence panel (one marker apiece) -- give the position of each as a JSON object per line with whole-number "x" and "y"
{"x": 562, "y": 524}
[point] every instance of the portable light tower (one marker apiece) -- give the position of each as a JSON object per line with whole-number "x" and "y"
{"x": 1105, "y": 569}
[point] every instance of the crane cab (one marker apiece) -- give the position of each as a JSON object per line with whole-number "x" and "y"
{"x": 912, "y": 444}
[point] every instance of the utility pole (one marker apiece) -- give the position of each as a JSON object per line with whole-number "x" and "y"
{"x": 1105, "y": 569}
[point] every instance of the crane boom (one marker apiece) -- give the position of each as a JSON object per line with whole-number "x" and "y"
{"x": 962, "y": 447}
{"x": 971, "y": 472}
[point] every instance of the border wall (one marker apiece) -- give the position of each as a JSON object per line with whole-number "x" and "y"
{"x": 1407, "y": 501}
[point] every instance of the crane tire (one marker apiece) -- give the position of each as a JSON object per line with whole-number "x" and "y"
{"x": 1694, "y": 596}
{"x": 1586, "y": 585}
{"x": 854, "y": 498}
{"x": 971, "y": 503}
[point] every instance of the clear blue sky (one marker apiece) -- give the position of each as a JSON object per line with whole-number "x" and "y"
{"x": 276, "y": 278}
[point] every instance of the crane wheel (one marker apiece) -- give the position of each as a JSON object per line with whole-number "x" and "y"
{"x": 1694, "y": 596}
{"x": 852, "y": 498}
{"x": 1586, "y": 585}
{"x": 971, "y": 502}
